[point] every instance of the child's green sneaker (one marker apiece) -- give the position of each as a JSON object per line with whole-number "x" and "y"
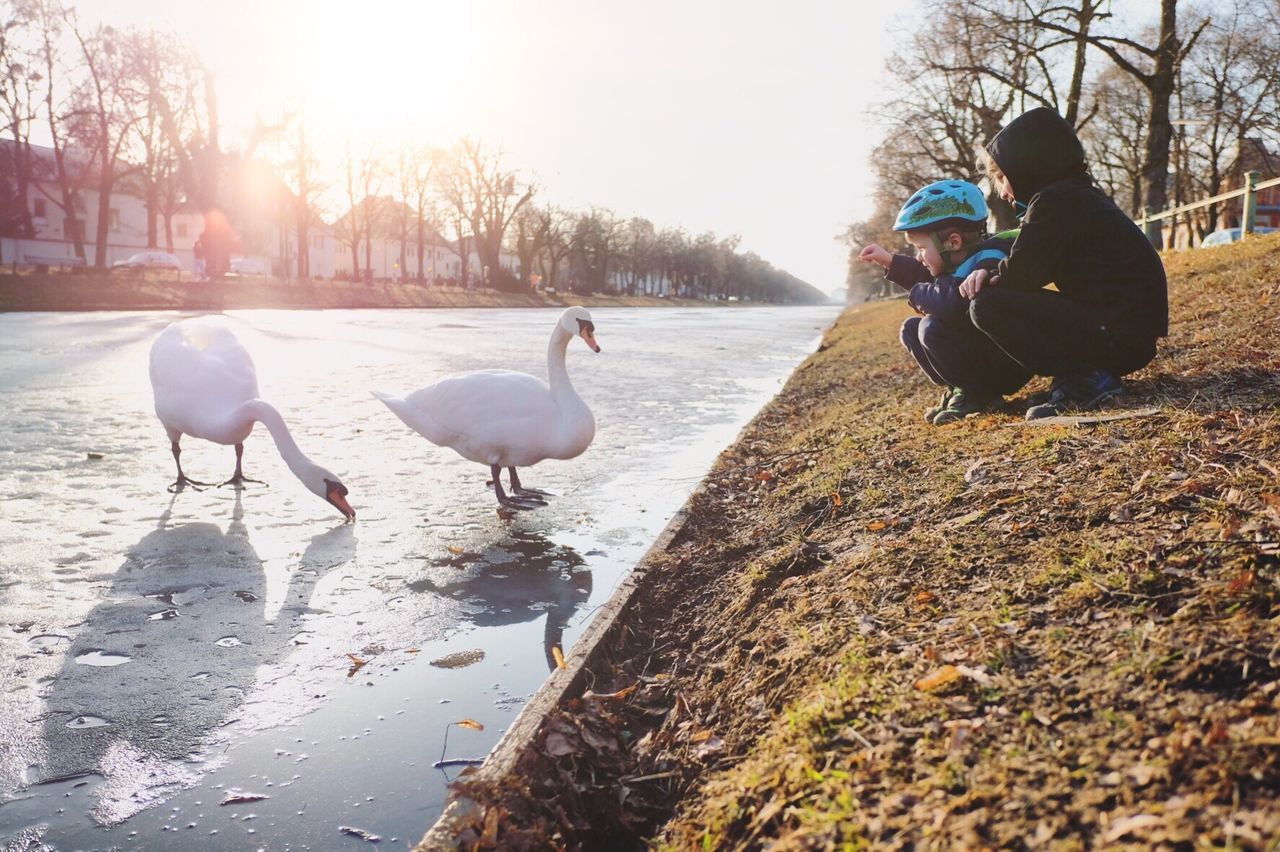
{"x": 963, "y": 403}
{"x": 933, "y": 412}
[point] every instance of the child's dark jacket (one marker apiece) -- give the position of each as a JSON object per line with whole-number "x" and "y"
{"x": 1073, "y": 235}
{"x": 940, "y": 296}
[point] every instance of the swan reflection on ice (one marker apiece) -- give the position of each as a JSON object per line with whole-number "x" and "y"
{"x": 514, "y": 581}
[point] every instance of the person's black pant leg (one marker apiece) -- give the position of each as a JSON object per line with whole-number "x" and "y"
{"x": 910, "y": 336}
{"x": 1050, "y": 335}
{"x": 966, "y": 358}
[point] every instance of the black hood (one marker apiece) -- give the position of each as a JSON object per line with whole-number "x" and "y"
{"x": 1036, "y": 149}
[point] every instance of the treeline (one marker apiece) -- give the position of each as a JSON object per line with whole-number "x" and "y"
{"x": 135, "y": 110}
{"x": 1172, "y": 106}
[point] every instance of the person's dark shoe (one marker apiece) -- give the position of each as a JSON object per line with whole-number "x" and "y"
{"x": 933, "y": 412}
{"x": 1078, "y": 393}
{"x": 963, "y": 403}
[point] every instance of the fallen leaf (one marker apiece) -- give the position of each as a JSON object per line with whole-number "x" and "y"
{"x": 925, "y": 598}
{"x": 367, "y": 836}
{"x": 470, "y": 724}
{"x": 453, "y": 548}
{"x": 1141, "y": 774}
{"x": 558, "y": 745}
{"x": 708, "y": 748}
{"x": 490, "y": 836}
{"x": 235, "y": 797}
{"x": 764, "y": 475}
{"x": 612, "y": 696}
{"x": 559, "y": 657}
{"x": 975, "y": 674}
{"x": 356, "y": 664}
{"x": 1242, "y": 582}
{"x": 835, "y": 499}
{"x": 701, "y": 737}
{"x": 1126, "y": 825}
{"x": 459, "y": 659}
{"x": 876, "y": 526}
{"x": 944, "y": 676}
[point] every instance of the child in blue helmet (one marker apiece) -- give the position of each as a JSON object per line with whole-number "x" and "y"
{"x": 946, "y": 224}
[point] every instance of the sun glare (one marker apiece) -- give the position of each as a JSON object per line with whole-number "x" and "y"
{"x": 390, "y": 67}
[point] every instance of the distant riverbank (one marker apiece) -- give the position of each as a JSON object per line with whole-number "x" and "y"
{"x": 156, "y": 291}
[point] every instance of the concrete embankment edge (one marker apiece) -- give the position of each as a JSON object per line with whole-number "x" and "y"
{"x": 563, "y": 684}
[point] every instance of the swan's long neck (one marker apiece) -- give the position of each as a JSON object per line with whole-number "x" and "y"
{"x": 265, "y": 414}
{"x": 557, "y": 375}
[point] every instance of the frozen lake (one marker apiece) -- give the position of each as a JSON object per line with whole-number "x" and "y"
{"x": 163, "y": 653}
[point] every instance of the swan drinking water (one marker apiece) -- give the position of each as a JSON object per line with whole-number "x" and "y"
{"x": 507, "y": 419}
{"x": 205, "y": 386}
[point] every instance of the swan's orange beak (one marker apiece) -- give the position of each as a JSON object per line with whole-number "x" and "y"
{"x": 590, "y": 337}
{"x": 337, "y": 495}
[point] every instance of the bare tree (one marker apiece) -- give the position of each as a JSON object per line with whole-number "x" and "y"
{"x": 594, "y": 250}
{"x": 105, "y": 117}
{"x": 1157, "y": 71}
{"x": 424, "y": 161}
{"x": 1229, "y": 92}
{"x": 1115, "y": 141}
{"x": 638, "y": 247}
{"x": 555, "y": 225}
{"x": 356, "y": 226}
{"x": 486, "y": 196}
{"x": 20, "y": 82}
{"x": 302, "y": 176}
{"x": 961, "y": 76}
{"x": 528, "y": 238}
{"x": 47, "y": 17}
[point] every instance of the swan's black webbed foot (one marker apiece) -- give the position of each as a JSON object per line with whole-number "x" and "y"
{"x": 519, "y": 502}
{"x": 535, "y": 494}
{"x": 239, "y": 480}
{"x": 182, "y": 482}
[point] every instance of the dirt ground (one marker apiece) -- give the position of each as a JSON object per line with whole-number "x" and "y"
{"x": 134, "y": 291}
{"x": 874, "y": 632}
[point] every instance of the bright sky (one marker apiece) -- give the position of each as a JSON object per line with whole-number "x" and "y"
{"x": 735, "y": 116}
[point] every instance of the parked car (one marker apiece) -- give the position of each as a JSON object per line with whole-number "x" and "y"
{"x": 250, "y": 266}
{"x": 150, "y": 260}
{"x": 1230, "y": 235}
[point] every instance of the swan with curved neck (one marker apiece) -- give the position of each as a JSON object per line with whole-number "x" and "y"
{"x": 205, "y": 386}
{"x": 502, "y": 418}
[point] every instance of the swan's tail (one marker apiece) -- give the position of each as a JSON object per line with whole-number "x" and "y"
{"x": 416, "y": 419}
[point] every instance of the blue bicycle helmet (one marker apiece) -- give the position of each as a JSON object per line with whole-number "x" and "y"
{"x": 942, "y": 203}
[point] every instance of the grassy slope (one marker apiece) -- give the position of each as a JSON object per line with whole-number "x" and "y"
{"x": 878, "y": 632}
{"x": 160, "y": 291}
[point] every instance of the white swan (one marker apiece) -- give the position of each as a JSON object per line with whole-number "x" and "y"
{"x": 507, "y": 419}
{"x": 205, "y": 386}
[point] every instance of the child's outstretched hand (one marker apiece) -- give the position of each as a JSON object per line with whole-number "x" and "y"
{"x": 972, "y": 285}
{"x": 875, "y": 254}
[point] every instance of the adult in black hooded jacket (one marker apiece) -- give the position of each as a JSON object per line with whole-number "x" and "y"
{"x": 1112, "y": 300}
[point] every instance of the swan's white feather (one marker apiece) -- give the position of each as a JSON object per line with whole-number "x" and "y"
{"x": 200, "y": 373}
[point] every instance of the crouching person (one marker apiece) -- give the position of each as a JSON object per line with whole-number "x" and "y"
{"x": 946, "y": 224}
{"x": 1111, "y": 301}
